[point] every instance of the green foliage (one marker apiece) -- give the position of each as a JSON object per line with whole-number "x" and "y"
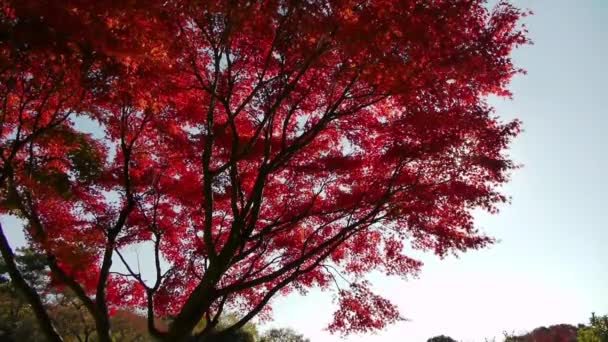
{"x": 511, "y": 337}
{"x": 283, "y": 335}
{"x": 86, "y": 160}
{"x": 441, "y": 338}
{"x": 85, "y": 157}
{"x": 9, "y": 201}
{"x": 17, "y": 321}
{"x": 72, "y": 320}
{"x": 32, "y": 266}
{"x": 57, "y": 180}
{"x": 237, "y": 336}
{"x": 248, "y": 333}
{"x": 597, "y": 331}
{"x": 586, "y": 334}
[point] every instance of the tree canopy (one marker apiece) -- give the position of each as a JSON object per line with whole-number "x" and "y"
{"x": 441, "y": 338}
{"x": 596, "y": 331}
{"x": 257, "y": 147}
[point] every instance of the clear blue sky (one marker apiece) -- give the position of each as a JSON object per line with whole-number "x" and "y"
{"x": 552, "y": 263}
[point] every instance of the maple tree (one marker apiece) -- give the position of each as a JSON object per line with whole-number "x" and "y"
{"x": 259, "y": 147}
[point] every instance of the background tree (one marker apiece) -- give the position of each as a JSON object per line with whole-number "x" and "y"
{"x": 247, "y": 333}
{"x": 441, "y": 338}
{"x": 257, "y": 148}
{"x": 18, "y": 322}
{"x": 553, "y": 333}
{"x": 283, "y": 335}
{"x": 597, "y": 331}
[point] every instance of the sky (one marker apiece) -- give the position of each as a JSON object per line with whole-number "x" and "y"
{"x": 551, "y": 264}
